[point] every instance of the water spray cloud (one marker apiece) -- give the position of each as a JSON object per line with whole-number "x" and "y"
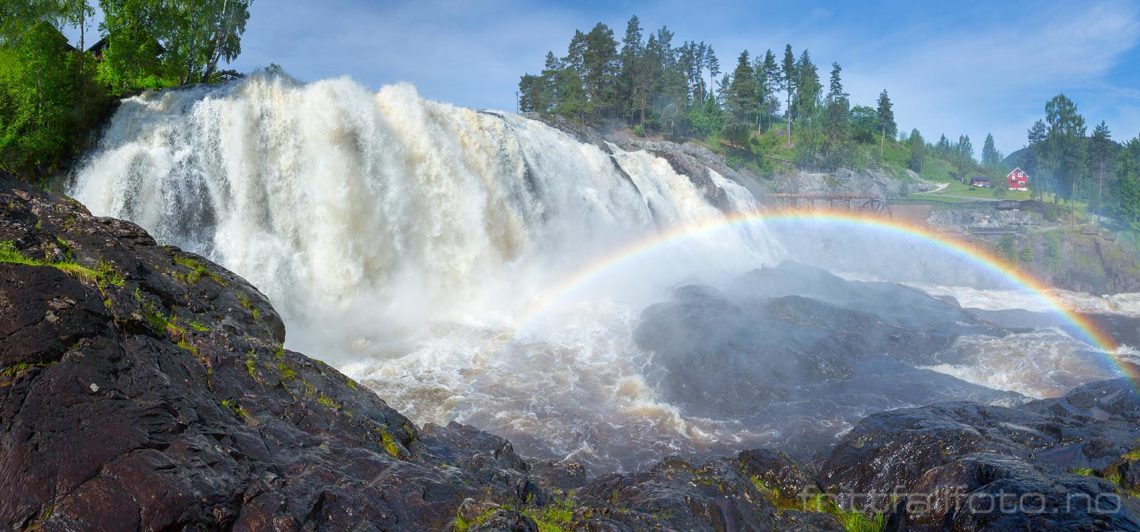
{"x": 1083, "y": 327}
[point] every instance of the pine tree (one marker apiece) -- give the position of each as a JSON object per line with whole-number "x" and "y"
{"x": 1066, "y": 150}
{"x": 886, "y": 117}
{"x": 808, "y": 87}
{"x": 629, "y": 83}
{"x": 942, "y": 148}
{"x": 917, "y": 151}
{"x": 964, "y": 150}
{"x": 600, "y": 70}
{"x": 1128, "y": 180}
{"x": 768, "y": 76}
{"x": 741, "y": 96}
{"x": 740, "y": 99}
{"x": 1101, "y": 156}
{"x": 711, "y": 63}
{"x": 788, "y": 83}
{"x": 838, "y": 117}
{"x": 991, "y": 158}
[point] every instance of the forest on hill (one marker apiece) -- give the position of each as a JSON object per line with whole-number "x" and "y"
{"x": 770, "y": 113}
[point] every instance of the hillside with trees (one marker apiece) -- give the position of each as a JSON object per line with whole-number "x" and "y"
{"x": 765, "y": 111}
{"x": 1083, "y": 169}
{"x": 772, "y": 112}
{"x": 53, "y": 94}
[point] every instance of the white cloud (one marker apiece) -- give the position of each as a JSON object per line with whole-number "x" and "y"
{"x": 997, "y": 77}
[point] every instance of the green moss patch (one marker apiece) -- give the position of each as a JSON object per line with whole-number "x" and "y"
{"x": 196, "y": 272}
{"x": 104, "y": 274}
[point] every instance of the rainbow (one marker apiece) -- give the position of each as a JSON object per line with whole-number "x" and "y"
{"x": 1086, "y": 329}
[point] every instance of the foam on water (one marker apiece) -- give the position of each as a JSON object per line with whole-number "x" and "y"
{"x": 406, "y": 241}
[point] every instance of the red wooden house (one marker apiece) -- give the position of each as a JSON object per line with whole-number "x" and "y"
{"x": 1018, "y": 180}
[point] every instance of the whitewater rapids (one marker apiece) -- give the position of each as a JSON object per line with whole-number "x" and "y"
{"x": 436, "y": 253}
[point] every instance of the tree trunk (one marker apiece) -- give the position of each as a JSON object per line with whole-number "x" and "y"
{"x": 1100, "y": 187}
{"x": 788, "y": 141}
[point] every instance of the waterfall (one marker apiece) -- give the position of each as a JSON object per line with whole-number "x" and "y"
{"x": 363, "y": 216}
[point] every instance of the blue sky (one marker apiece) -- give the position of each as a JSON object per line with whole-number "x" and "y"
{"x": 950, "y": 67}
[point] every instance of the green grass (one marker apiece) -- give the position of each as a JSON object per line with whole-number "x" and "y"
{"x": 197, "y": 271}
{"x": 236, "y": 408}
{"x": 389, "y": 442}
{"x": 104, "y": 274}
{"x": 1132, "y": 455}
{"x": 327, "y": 402}
{"x": 247, "y": 304}
{"x": 852, "y": 520}
{"x": 19, "y": 368}
{"x": 554, "y": 517}
{"x": 251, "y": 365}
{"x": 463, "y": 525}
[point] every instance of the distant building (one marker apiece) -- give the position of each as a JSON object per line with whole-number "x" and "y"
{"x": 98, "y": 48}
{"x": 1018, "y": 180}
{"x": 981, "y": 181}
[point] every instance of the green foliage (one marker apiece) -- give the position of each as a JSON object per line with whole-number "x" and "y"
{"x": 287, "y": 372}
{"x": 851, "y": 520}
{"x": 652, "y": 85}
{"x": 49, "y": 102}
{"x": 554, "y": 517}
{"x": 235, "y": 407}
{"x": 707, "y": 120}
{"x": 327, "y": 402}
{"x": 1025, "y": 254}
{"x": 52, "y": 96}
{"x": 1006, "y": 247}
{"x": 196, "y": 273}
{"x": 557, "y": 516}
{"x": 104, "y": 274}
{"x": 463, "y": 525}
{"x": 251, "y": 365}
{"x": 173, "y": 41}
{"x": 917, "y": 146}
{"x": 1128, "y": 180}
{"x": 742, "y": 95}
{"x": 19, "y": 368}
{"x": 389, "y": 442}
{"x": 247, "y": 304}
{"x": 991, "y": 157}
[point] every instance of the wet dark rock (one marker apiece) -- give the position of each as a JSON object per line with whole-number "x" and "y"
{"x": 774, "y": 469}
{"x": 989, "y": 491}
{"x": 786, "y": 347}
{"x": 678, "y": 495}
{"x": 145, "y": 387}
{"x": 689, "y": 159}
{"x": 559, "y": 475}
{"x": 506, "y": 521}
{"x": 1058, "y": 462}
{"x": 142, "y": 387}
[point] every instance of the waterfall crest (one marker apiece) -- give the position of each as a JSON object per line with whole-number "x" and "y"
{"x": 362, "y": 215}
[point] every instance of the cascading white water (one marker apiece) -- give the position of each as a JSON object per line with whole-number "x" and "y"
{"x": 436, "y": 254}
{"x": 410, "y": 242}
{"x": 363, "y": 215}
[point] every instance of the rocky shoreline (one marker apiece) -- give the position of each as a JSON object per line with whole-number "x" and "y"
{"x": 143, "y": 387}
